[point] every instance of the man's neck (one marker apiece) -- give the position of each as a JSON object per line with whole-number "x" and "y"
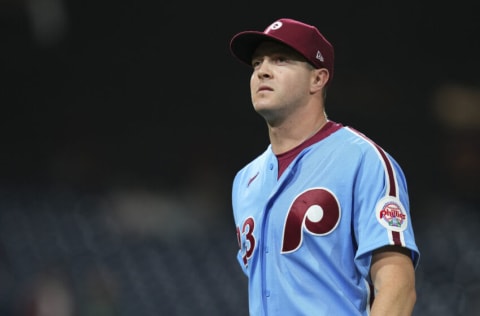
{"x": 293, "y": 133}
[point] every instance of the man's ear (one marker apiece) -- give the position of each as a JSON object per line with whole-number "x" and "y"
{"x": 320, "y": 79}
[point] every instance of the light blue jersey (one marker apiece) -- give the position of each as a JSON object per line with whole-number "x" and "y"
{"x": 306, "y": 238}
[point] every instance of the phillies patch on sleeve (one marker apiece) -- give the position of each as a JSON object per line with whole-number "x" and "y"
{"x": 391, "y": 214}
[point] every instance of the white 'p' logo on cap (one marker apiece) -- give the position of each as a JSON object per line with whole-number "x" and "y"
{"x": 274, "y": 26}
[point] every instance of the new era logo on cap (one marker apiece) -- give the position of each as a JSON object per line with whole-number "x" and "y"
{"x": 319, "y": 56}
{"x": 304, "y": 38}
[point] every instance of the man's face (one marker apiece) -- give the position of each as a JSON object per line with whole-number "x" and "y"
{"x": 280, "y": 81}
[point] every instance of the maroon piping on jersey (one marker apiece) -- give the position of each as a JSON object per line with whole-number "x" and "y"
{"x": 287, "y": 157}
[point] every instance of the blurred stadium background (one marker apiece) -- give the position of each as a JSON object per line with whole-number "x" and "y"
{"x": 123, "y": 123}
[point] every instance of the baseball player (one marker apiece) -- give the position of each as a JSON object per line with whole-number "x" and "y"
{"x": 322, "y": 215}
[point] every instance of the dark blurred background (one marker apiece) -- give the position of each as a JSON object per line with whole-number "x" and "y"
{"x": 123, "y": 123}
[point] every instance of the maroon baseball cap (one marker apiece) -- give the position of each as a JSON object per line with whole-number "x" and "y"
{"x": 304, "y": 38}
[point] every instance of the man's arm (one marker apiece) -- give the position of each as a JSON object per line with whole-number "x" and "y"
{"x": 393, "y": 276}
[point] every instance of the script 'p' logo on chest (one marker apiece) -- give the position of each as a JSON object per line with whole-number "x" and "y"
{"x": 315, "y": 211}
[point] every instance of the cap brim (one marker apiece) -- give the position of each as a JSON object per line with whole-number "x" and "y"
{"x": 244, "y": 44}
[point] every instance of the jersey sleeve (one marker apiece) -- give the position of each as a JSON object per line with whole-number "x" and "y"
{"x": 381, "y": 207}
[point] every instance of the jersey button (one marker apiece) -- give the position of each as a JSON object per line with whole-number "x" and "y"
{"x": 267, "y": 293}
{"x": 270, "y": 166}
